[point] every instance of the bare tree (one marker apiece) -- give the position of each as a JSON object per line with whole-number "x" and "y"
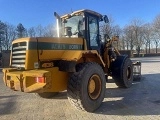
{"x": 156, "y": 40}
{"x": 117, "y": 31}
{"x": 49, "y": 31}
{"x": 156, "y": 27}
{"x": 39, "y": 31}
{"x": 138, "y": 34}
{"x": 148, "y": 36}
{"x": 107, "y": 28}
{"x": 123, "y": 45}
{"x": 32, "y": 32}
{"x": 129, "y": 36}
{"x": 133, "y": 35}
{"x": 9, "y": 35}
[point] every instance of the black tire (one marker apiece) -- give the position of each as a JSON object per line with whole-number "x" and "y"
{"x": 122, "y": 71}
{"x": 46, "y": 94}
{"x": 86, "y": 87}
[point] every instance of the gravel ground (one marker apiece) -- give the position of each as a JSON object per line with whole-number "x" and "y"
{"x": 141, "y": 101}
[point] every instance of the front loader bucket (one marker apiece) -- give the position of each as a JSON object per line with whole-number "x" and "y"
{"x": 136, "y": 70}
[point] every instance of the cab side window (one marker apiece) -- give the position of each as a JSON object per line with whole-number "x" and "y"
{"x": 93, "y": 31}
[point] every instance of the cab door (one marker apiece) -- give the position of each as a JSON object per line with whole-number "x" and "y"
{"x": 93, "y": 29}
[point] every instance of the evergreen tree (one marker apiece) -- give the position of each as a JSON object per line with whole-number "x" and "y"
{"x": 2, "y": 31}
{"x": 20, "y": 30}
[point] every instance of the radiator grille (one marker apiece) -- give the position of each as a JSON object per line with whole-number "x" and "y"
{"x": 19, "y": 54}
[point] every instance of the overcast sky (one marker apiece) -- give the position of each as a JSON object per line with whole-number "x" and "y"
{"x": 34, "y": 12}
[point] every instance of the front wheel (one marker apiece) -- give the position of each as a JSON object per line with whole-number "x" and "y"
{"x": 122, "y": 71}
{"x": 86, "y": 88}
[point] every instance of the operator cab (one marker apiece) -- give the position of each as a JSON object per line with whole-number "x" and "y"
{"x": 84, "y": 24}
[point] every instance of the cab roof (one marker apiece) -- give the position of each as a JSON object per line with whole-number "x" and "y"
{"x": 83, "y": 11}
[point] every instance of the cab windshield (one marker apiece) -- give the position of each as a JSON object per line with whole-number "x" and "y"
{"x": 75, "y": 23}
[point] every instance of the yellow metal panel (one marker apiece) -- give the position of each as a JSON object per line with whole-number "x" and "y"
{"x": 21, "y": 40}
{"x": 13, "y": 80}
{"x": 51, "y": 54}
{"x": 72, "y": 55}
{"x": 25, "y": 80}
{"x": 5, "y": 70}
{"x": 51, "y": 39}
{"x": 61, "y": 40}
{"x": 31, "y": 58}
{"x": 37, "y": 87}
{"x": 55, "y": 80}
{"x": 29, "y": 82}
{"x": 59, "y": 80}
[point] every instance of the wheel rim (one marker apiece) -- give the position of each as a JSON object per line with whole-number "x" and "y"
{"x": 94, "y": 87}
{"x": 128, "y": 72}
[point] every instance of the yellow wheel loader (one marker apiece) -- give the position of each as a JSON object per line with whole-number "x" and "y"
{"x": 77, "y": 60}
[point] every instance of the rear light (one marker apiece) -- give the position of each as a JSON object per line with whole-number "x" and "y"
{"x": 40, "y": 79}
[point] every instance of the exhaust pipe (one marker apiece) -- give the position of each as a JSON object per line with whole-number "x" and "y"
{"x": 58, "y": 19}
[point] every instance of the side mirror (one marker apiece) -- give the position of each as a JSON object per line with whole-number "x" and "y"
{"x": 105, "y": 19}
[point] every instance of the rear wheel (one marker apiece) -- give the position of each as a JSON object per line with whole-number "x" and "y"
{"x": 122, "y": 71}
{"x": 86, "y": 88}
{"x": 46, "y": 94}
